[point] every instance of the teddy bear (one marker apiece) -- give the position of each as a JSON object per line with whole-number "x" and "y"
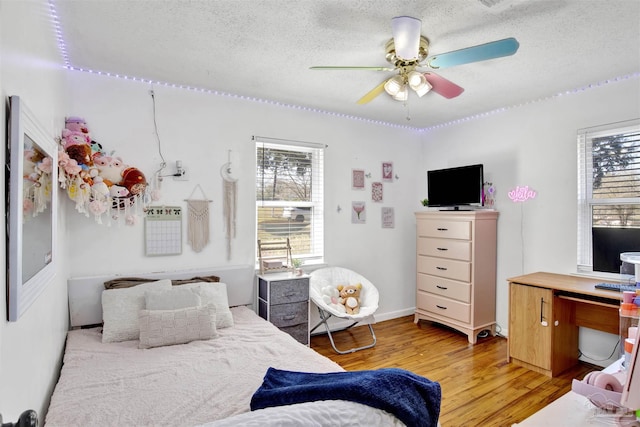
{"x": 350, "y": 297}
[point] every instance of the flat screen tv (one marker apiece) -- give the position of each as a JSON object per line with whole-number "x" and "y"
{"x": 455, "y": 187}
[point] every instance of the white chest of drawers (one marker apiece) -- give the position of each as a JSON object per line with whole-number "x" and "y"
{"x": 283, "y": 300}
{"x": 456, "y": 269}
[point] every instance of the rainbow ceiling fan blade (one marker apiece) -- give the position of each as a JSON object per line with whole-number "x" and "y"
{"x": 483, "y": 52}
{"x": 369, "y": 96}
{"x": 442, "y": 86}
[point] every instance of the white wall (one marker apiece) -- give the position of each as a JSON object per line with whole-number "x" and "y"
{"x": 199, "y": 129}
{"x": 31, "y": 349}
{"x": 535, "y": 145}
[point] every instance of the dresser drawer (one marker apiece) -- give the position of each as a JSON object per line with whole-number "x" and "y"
{"x": 444, "y": 287}
{"x": 444, "y": 307}
{"x": 447, "y": 268}
{"x": 299, "y": 332}
{"x": 444, "y": 229}
{"x": 286, "y": 291}
{"x": 445, "y": 248}
{"x": 283, "y": 315}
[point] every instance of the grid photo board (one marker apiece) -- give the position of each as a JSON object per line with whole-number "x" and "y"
{"x": 163, "y": 230}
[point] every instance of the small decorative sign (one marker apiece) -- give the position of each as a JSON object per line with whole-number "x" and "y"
{"x": 376, "y": 191}
{"x": 521, "y": 194}
{"x": 388, "y": 218}
{"x": 357, "y": 179}
{"x": 358, "y": 213}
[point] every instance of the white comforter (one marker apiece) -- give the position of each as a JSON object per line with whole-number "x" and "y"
{"x": 119, "y": 384}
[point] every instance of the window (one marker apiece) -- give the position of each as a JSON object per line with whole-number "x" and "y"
{"x": 290, "y": 195}
{"x": 608, "y": 195}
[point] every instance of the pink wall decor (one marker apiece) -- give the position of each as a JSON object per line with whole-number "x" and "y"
{"x": 521, "y": 194}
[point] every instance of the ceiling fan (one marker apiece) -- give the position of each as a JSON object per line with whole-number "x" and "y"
{"x": 408, "y": 52}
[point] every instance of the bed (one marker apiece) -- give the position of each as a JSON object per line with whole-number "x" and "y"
{"x": 208, "y": 381}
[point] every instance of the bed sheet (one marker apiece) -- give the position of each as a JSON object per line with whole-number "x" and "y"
{"x": 116, "y": 384}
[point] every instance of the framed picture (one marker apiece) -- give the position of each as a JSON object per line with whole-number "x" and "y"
{"x": 388, "y": 218}
{"x": 32, "y": 186}
{"x": 357, "y": 179}
{"x": 376, "y": 191}
{"x": 358, "y": 212}
{"x": 387, "y": 171}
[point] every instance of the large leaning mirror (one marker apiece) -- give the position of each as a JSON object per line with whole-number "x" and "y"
{"x": 31, "y": 177}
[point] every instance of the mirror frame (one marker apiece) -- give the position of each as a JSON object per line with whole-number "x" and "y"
{"x": 21, "y": 123}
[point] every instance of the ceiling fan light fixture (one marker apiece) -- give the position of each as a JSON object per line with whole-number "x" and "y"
{"x": 406, "y": 36}
{"x": 402, "y": 94}
{"x": 394, "y": 85}
{"x": 418, "y": 82}
{"x": 424, "y": 89}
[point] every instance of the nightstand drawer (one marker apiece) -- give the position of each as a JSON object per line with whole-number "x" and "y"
{"x": 283, "y": 315}
{"x": 444, "y": 307}
{"x": 285, "y": 291}
{"x": 445, "y": 287}
{"x": 299, "y": 332}
{"x": 447, "y": 268}
{"x": 445, "y": 248}
{"x": 444, "y": 229}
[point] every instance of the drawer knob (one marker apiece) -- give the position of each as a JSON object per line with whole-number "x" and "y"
{"x": 441, "y": 307}
{"x": 289, "y": 317}
{"x": 443, "y": 229}
{"x": 442, "y": 249}
{"x": 444, "y": 288}
{"x": 442, "y": 268}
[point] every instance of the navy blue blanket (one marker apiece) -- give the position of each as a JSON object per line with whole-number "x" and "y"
{"x": 413, "y": 399}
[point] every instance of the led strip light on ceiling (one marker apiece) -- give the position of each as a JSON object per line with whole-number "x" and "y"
{"x": 67, "y": 64}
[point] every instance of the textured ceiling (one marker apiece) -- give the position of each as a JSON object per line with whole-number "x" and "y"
{"x": 264, "y": 48}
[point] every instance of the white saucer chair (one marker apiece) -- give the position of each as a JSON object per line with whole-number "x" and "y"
{"x": 324, "y": 294}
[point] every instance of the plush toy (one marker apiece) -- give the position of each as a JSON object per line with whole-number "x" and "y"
{"x": 134, "y": 181}
{"x": 76, "y": 124}
{"x": 71, "y": 137}
{"x": 331, "y": 297}
{"x": 350, "y": 297}
{"x": 109, "y": 168}
{"x": 81, "y": 154}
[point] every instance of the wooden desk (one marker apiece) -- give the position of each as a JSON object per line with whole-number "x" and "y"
{"x": 545, "y": 311}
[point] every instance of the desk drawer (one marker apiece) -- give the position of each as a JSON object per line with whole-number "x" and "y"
{"x": 445, "y": 248}
{"x": 286, "y": 291}
{"x": 447, "y": 268}
{"x": 444, "y": 307}
{"x": 444, "y": 229}
{"x": 444, "y": 287}
{"x": 283, "y": 315}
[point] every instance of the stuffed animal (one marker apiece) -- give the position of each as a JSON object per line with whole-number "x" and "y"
{"x": 133, "y": 179}
{"x": 109, "y": 168}
{"x": 81, "y": 154}
{"x": 76, "y": 124}
{"x": 331, "y": 297}
{"x": 350, "y": 297}
{"x": 72, "y": 137}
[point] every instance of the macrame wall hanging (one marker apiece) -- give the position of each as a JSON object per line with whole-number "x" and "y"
{"x": 198, "y": 221}
{"x": 230, "y": 202}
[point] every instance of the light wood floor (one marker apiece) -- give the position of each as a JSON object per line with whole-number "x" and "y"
{"x": 479, "y": 387}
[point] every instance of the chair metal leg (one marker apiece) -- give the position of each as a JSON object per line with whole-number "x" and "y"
{"x": 324, "y": 317}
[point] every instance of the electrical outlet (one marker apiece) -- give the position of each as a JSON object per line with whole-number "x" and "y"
{"x": 184, "y": 176}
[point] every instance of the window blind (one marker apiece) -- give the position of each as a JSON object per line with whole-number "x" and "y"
{"x": 290, "y": 195}
{"x": 608, "y": 182}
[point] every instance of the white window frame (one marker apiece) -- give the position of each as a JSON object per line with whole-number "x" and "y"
{"x": 586, "y": 201}
{"x": 317, "y": 194}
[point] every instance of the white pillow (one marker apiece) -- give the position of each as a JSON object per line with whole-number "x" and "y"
{"x": 173, "y": 299}
{"x": 120, "y": 309}
{"x": 169, "y": 327}
{"x": 214, "y": 293}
